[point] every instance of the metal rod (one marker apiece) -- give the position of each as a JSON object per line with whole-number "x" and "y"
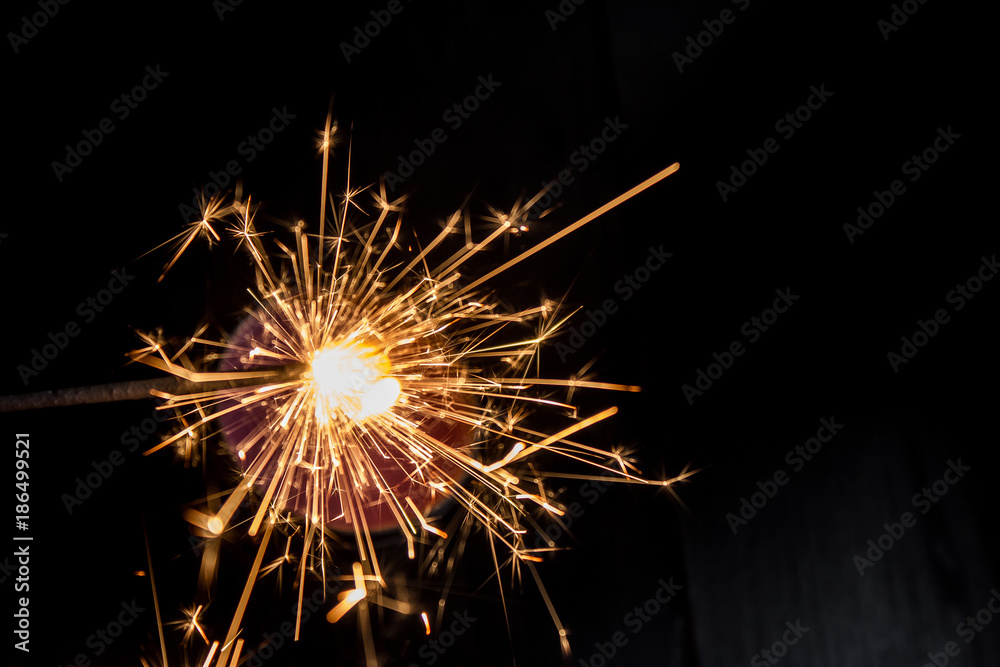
{"x": 132, "y": 390}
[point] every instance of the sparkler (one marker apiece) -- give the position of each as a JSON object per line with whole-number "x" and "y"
{"x": 370, "y": 383}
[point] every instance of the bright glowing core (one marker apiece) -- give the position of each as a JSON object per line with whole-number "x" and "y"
{"x": 353, "y": 381}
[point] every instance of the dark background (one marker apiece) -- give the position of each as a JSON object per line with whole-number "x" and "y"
{"x": 825, "y": 358}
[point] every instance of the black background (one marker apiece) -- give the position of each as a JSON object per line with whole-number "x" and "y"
{"x": 783, "y": 229}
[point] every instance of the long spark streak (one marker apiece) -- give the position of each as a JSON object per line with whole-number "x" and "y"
{"x": 156, "y": 599}
{"x": 234, "y": 627}
{"x": 593, "y": 215}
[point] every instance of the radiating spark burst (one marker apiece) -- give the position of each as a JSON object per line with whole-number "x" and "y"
{"x": 369, "y": 384}
{"x": 213, "y": 212}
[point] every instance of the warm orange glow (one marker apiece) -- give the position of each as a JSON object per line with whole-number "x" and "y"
{"x": 352, "y": 382}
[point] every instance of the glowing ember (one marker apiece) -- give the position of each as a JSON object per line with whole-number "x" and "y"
{"x": 353, "y": 383}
